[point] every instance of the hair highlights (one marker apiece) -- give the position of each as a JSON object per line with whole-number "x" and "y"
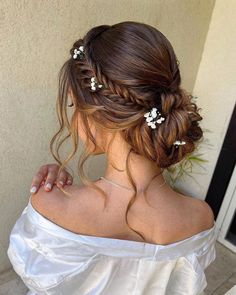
{"x": 138, "y": 69}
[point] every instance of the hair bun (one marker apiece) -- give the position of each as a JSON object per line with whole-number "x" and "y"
{"x": 181, "y": 125}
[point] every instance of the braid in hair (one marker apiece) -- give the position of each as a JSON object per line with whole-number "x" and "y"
{"x": 173, "y": 101}
{"x": 138, "y": 70}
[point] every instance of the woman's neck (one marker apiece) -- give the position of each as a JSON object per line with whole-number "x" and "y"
{"x": 142, "y": 170}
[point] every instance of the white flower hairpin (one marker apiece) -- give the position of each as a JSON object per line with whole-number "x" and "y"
{"x": 94, "y": 84}
{"x": 78, "y": 52}
{"x": 179, "y": 142}
{"x": 150, "y": 116}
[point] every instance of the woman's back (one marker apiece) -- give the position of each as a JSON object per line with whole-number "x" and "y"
{"x": 144, "y": 121}
{"x": 174, "y": 217}
{"x": 66, "y": 246}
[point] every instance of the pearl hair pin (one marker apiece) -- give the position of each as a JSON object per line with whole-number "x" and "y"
{"x": 155, "y": 116}
{"x": 79, "y": 52}
{"x": 150, "y": 116}
{"x": 179, "y": 142}
{"x": 94, "y": 84}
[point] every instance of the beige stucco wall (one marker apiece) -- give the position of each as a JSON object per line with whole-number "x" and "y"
{"x": 215, "y": 87}
{"x": 35, "y": 40}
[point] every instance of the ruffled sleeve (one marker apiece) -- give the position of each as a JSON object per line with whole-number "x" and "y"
{"x": 52, "y": 260}
{"x": 207, "y": 254}
{"x": 203, "y": 257}
{"x": 26, "y": 254}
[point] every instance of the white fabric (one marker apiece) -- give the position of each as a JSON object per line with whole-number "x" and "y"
{"x": 232, "y": 291}
{"x": 53, "y": 260}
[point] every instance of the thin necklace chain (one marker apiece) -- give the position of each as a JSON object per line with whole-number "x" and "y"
{"x": 118, "y": 185}
{"x": 114, "y": 183}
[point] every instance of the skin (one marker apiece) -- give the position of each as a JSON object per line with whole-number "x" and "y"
{"x": 47, "y": 175}
{"x": 142, "y": 169}
{"x": 177, "y": 216}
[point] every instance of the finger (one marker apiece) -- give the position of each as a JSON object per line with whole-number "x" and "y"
{"x": 62, "y": 178}
{"x": 69, "y": 179}
{"x": 50, "y": 179}
{"x": 38, "y": 178}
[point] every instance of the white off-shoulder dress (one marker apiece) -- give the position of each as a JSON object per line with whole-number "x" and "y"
{"x": 53, "y": 260}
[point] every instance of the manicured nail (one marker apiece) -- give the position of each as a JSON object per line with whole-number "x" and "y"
{"x": 33, "y": 189}
{"x": 48, "y": 186}
{"x": 59, "y": 184}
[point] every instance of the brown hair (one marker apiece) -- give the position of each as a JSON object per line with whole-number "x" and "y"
{"x": 138, "y": 68}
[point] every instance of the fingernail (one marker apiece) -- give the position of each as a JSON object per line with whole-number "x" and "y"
{"x": 33, "y": 189}
{"x": 48, "y": 185}
{"x": 69, "y": 182}
{"x": 61, "y": 182}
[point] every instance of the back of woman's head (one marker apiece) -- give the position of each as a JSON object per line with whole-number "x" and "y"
{"x": 138, "y": 69}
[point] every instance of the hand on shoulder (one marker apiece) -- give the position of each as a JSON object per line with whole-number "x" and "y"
{"x": 62, "y": 209}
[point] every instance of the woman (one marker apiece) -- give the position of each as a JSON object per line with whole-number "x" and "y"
{"x": 128, "y": 232}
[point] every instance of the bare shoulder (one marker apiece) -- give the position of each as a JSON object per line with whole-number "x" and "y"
{"x": 48, "y": 203}
{"x": 192, "y": 217}
{"x": 201, "y": 215}
{"x": 207, "y": 213}
{"x": 66, "y": 211}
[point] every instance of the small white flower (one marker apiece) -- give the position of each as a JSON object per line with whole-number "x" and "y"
{"x": 159, "y": 121}
{"x": 154, "y": 112}
{"x": 78, "y": 51}
{"x": 150, "y": 116}
{"x": 178, "y": 142}
{"x": 94, "y": 84}
{"x": 149, "y": 119}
